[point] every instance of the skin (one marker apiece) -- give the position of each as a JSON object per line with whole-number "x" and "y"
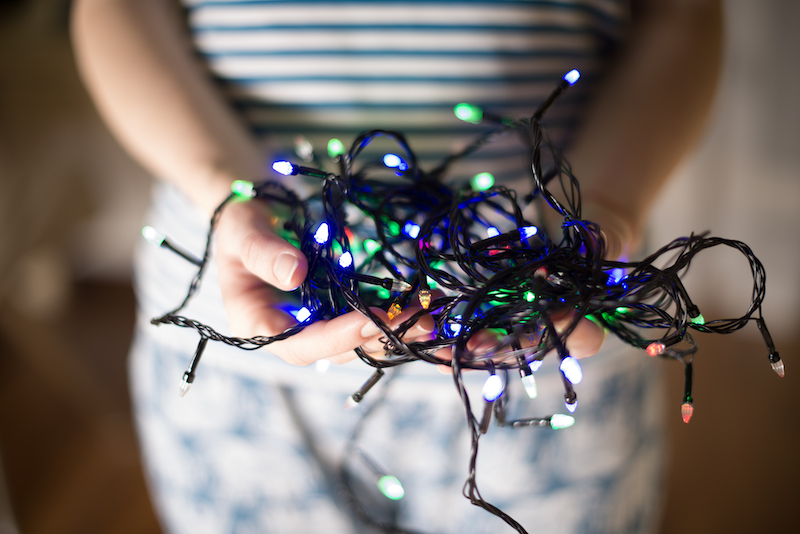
{"x": 137, "y": 62}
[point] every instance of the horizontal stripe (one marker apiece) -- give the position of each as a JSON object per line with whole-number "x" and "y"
{"x": 359, "y": 69}
{"x": 398, "y": 80}
{"x": 378, "y": 53}
{"x": 385, "y": 93}
{"x": 497, "y": 106}
{"x": 349, "y": 15}
{"x": 398, "y": 118}
{"x": 355, "y": 130}
{"x": 439, "y": 140}
{"x": 604, "y": 10}
{"x": 369, "y": 39}
{"x": 336, "y": 69}
{"x": 351, "y": 28}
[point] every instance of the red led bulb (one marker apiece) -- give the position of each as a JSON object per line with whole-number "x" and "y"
{"x": 686, "y": 411}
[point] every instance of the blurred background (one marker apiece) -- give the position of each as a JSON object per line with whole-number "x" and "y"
{"x": 71, "y": 207}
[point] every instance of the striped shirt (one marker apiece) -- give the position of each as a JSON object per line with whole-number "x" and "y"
{"x": 327, "y": 69}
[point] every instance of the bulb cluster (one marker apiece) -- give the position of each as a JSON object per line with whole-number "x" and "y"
{"x": 467, "y": 255}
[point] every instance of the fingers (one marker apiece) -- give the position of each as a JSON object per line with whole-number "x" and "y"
{"x": 334, "y": 339}
{"x": 251, "y": 259}
{"x": 480, "y": 344}
{"x": 374, "y": 347}
{"x": 587, "y": 337}
{"x": 246, "y": 237}
{"x": 585, "y": 340}
{"x": 273, "y": 260}
{"x": 422, "y": 328}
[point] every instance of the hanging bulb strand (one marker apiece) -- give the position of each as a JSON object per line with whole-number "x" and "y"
{"x": 158, "y": 239}
{"x": 687, "y": 408}
{"x": 358, "y": 396}
{"x": 189, "y": 375}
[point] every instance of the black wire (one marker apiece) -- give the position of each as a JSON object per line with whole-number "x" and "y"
{"x": 486, "y": 282}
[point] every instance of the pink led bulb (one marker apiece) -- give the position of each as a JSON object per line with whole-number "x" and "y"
{"x": 686, "y": 411}
{"x": 655, "y": 348}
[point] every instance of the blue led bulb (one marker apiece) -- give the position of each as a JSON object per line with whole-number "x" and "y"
{"x": 571, "y": 369}
{"x": 492, "y": 388}
{"x": 345, "y": 260}
{"x": 302, "y": 314}
{"x": 572, "y": 76}
{"x": 283, "y": 167}
{"x": 411, "y": 229}
{"x": 322, "y": 234}
{"x": 393, "y": 161}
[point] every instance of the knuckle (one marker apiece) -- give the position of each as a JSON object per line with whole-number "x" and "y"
{"x": 254, "y": 251}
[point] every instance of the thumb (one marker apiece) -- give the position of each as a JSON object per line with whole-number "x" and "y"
{"x": 250, "y": 239}
{"x": 273, "y": 260}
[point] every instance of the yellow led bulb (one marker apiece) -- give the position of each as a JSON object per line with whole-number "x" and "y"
{"x": 425, "y": 298}
{"x": 394, "y": 310}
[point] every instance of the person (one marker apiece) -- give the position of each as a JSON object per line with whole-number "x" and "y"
{"x": 253, "y": 445}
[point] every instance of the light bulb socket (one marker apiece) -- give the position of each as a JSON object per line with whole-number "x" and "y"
{"x": 371, "y": 381}
{"x": 487, "y": 416}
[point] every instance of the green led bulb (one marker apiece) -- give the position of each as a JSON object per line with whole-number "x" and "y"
{"x": 153, "y": 236}
{"x": 391, "y": 487}
{"x": 529, "y": 296}
{"x": 393, "y": 228}
{"x": 698, "y": 320}
{"x": 335, "y": 148}
{"x": 560, "y": 421}
{"x": 482, "y": 181}
{"x": 243, "y": 188}
{"x": 371, "y": 246}
{"x": 468, "y": 113}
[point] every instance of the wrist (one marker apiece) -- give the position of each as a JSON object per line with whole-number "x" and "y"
{"x": 213, "y": 185}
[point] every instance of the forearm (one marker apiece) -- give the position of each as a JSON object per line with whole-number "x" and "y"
{"x": 137, "y": 63}
{"x": 650, "y": 110}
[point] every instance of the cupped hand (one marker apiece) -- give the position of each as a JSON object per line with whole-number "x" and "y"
{"x": 586, "y": 337}
{"x": 585, "y": 340}
{"x": 255, "y": 267}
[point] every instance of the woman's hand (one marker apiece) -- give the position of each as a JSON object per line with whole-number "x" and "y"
{"x": 255, "y": 266}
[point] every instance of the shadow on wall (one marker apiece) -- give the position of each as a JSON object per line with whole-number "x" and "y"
{"x": 731, "y": 468}
{"x": 70, "y": 208}
{"x": 742, "y": 183}
{"x": 70, "y": 199}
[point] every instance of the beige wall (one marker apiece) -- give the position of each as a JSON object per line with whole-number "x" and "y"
{"x": 744, "y": 180}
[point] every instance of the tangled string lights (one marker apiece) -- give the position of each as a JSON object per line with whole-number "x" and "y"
{"x": 469, "y": 257}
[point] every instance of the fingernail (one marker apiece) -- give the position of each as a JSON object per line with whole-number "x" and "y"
{"x": 426, "y": 326}
{"x": 284, "y": 267}
{"x": 370, "y": 329}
